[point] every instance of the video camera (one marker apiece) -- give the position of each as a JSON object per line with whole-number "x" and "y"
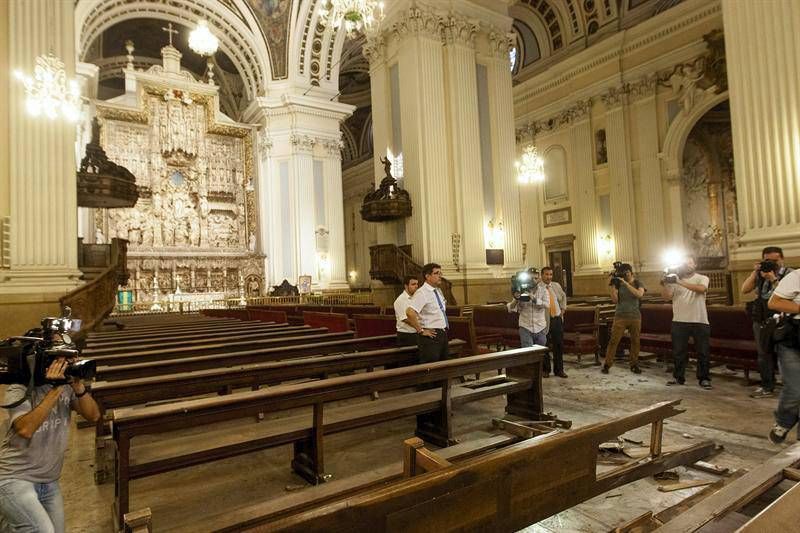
{"x": 618, "y": 274}
{"x": 768, "y": 265}
{"x": 44, "y": 345}
{"x": 671, "y": 275}
{"x": 523, "y": 282}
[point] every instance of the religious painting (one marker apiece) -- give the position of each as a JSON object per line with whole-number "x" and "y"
{"x": 273, "y": 16}
{"x": 557, "y": 217}
{"x": 304, "y": 284}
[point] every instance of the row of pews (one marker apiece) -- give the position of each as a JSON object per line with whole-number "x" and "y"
{"x": 156, "y": 379}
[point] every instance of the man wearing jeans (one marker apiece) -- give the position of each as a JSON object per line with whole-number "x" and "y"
{"x": 532, "y": 317}
{"x": 786, "y": 299}
{"x": 32, "y": 450}
{"x": 687, "y": 290}
{"x": 626, "y": 293}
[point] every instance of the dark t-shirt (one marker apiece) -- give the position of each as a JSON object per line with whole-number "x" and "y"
{"x": 628, "y": 303}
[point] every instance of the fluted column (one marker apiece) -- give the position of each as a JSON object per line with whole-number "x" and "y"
{"x": 268, "y": 195}
{"x": 42, "y": 183}
{"x": 462, "y": 97}
{"x": 621, "y": 187}
{"x": 652, "y": 237}
{"x": 425, "y": 143}
{"x": 303, "y": 200}
{"x": 763, "y": 61}
{"x": 504, "y": 146}
{"x": 586, "y": 216}
{"x": 334, "y": 213}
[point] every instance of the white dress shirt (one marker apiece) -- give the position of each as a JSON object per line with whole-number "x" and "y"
{"x": 401, "y": 304}
{"x": 533, "y": 314}
{"x": 430, "y": 309}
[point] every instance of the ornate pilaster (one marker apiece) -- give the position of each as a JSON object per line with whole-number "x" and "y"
{"x": 418, "y": 22}
{"x": 763, "y": 62}
{"x": 619, "y": 164}
{"x": 334, "y": 212}
{"x": 303, "y": 181}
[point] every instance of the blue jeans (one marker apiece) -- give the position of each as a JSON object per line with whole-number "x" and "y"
{"x": 27, "y": 507}
{"x": 681, "y": 331}
{"x": 786, "y": 414}
{"x": 528, "y": 338}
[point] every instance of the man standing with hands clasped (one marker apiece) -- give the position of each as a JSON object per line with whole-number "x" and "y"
{"x": 557, "y": 304}
{"x": 428, "y": 317}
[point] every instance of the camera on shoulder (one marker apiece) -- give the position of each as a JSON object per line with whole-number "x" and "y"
{"x": 671, "y": 275}
{"x": 44, "y": 345}
{"x": 618, "y": 273}
{"x": 524, "y": 282}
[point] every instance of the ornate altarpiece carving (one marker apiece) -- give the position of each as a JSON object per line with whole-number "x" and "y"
{"x": 194, "y": 227}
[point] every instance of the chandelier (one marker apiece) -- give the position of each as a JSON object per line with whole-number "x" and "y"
{"x": 49, "y": 92}
{"x": 203, "y": 42}
{"x": 530, "y": 168}
{"x": 358, "y": 16}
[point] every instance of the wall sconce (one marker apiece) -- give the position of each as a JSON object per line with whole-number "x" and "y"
{"x": 323, "y": 265}
{"x": 353, "y": 275}
{"x": 495, "y": 235}
{"x": 605, "y": 246}
{"x": 455, "y": 243}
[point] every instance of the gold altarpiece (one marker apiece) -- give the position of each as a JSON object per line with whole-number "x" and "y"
{"x": 193, "y": 230}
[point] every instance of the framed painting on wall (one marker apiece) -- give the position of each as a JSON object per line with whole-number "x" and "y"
{"x": 557, "y": 217}
{"x": 304, "y": 284}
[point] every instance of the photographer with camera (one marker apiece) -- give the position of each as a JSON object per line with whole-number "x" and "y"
{"x": 786, "y": 299}
{"x": 531, "y": 302}
{"x": 35, "y": 435}
{"x": 687, "y": 289}
{"x": 626, "y": 292}
{"x": 763, "y": 279}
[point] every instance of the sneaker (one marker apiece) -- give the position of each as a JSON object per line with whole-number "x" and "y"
{"x": 762, "y": 393}
{"x": 636, "y": 370}
{"x": 778, "y": 434}
{"x": 706, "y": 384}
{"x": 604, "y": 370}
{"x": 672, "y": 382}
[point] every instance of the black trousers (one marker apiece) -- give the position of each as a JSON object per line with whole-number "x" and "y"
{"x": 406, "y": 339}
{"x": 555, "y": 338}
{"x": 701, "y": 333}
{"x": 432, "y": 349}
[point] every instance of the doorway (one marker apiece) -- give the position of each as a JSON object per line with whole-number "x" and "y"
{"x": 560, "y": 258}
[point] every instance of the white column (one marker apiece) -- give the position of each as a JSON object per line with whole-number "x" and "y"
{"x": 464, "y": 123}
{"x": 43, "y": 195}
{"x": 652, "y": 235}
{"x": 334, "y": 214}
{"x": 266, "y": 185}
{"x": 425, "y": 144}
{"x": 586, "y": 216}
{"x": 763, "y": 58}
{"x": 504, "y": 147}
{"x": 303, "y": 200}
{"x": 621, "y": 181}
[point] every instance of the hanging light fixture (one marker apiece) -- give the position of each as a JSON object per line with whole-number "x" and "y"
{"x": 49, "y": 92}
{"x": 530, "y": 168}
{"x": 358, "y": 16}
{"x": 205, "y": 44}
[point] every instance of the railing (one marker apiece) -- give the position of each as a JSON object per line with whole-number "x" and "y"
{"x": 390, "y": 264}
{"x": 93, "y": 301}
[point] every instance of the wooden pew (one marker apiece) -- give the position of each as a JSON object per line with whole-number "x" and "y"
{"x": 141, "y": 341}
{"x": 495, "y": 325}
{"x": 115, "y": 394}
{"x": 582, "y": 331}
{"x": 156, "y": 330}
{"x": 190, "y": 364}
{"x": 215, "y": 347}
{"x": 265, "y": 315}
{"x": 523, "y": 390}
{"x": 370, "y": 325}
{"x": 260, "y": 334}
{"x": 333, "y": 321}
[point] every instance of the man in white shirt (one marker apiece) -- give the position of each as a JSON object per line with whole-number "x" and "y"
{"x": 406, "y": 334}
{"x": 532, "y": 313}
{"x": 687, "y": 291}
{"x": 555, "y": 322}
{"x": 786, "y": 299}
{"x": 428, "y": 316}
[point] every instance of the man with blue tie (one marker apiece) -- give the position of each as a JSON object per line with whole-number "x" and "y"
{"x": 427, "y": 316}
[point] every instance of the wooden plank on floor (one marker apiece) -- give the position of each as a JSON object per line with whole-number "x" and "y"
{"x": 735, "y": 495}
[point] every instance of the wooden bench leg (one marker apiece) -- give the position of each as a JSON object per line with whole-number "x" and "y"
{"x": 104, "y": 456}
{"x": 139, "y": 521}
{"x": 529, "y": 403}
{"x": 308, "y": 460}
{"x": 122, "y": 480}
{"x": 418, "y": 460}
{"x": 436, "y": 427}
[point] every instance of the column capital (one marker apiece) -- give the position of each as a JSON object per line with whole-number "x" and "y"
{"x": 642, "y": 88}
{"x": 615, "y": 96}
{"x": 500, "y": 44}
{"x": 333, "y": 147}
{"x": 418, "y": 21}
{"x": 458, "y": 30}
{"x": 375, "y": 49}
{"x": 302, "y": 144}
{"x": 264, "y": 143}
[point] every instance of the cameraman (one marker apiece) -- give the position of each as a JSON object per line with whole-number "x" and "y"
{"x": 687, "y": 290}
{"x": 532, "y": 318}
{"x": 626, "y": 292}
{"x": 786, "y": 299}
{"x": 763, "y": 280}
{"x": 32, "y": 450}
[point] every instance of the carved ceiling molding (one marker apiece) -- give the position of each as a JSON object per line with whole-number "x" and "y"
{"x": 418, "y": 21}
{"x": 576, "y": 112}
{"x": 460, "y": 31}
{"x": 615, "y": 97}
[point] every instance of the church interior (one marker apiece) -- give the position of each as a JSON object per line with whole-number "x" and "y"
{"x": 402, "y": 265}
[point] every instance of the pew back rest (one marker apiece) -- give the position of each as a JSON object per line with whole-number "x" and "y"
{"x": 335, "y": 322}
{"x": 374, "y": 325}
{"x": 263, "y": 315}
{"x": 730, "y": 323}
{"x": 657, "y": 318}
{"x": 576, "y": 319}
{"x": 494, "y": 316}
{"x": 313, "y": 309}
{"x": 351, "y": 310}
{"x": 464, "y": 329}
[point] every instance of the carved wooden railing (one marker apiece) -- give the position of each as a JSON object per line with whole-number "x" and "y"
{"x": 95, "y": 300}
{"x": 390, "y": 264}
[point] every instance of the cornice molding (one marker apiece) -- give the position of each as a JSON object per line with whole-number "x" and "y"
{"x": 576, "y": 112}
{"x": 418, "y": 21}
